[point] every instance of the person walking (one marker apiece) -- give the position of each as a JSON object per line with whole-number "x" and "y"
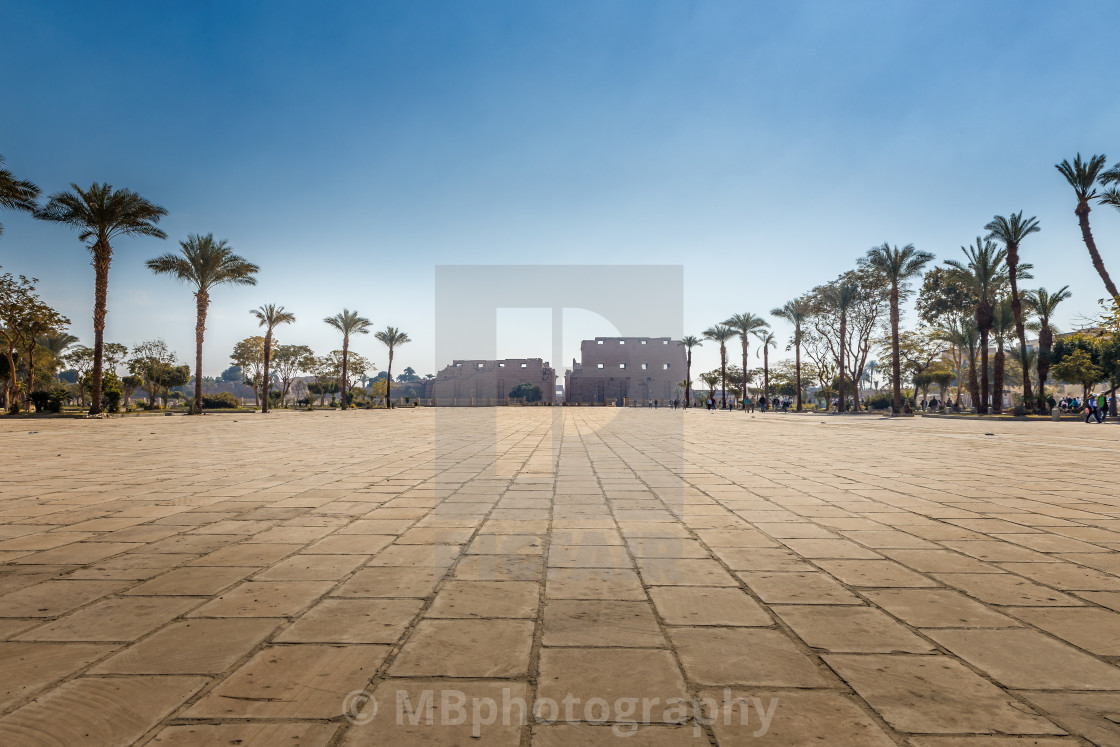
{"x": 1091, "y": 408}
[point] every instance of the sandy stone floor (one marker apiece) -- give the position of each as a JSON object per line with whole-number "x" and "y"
{"x": 409, "y": 578}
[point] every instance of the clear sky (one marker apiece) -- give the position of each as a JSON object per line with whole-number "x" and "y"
{"x": 349, "y": 150}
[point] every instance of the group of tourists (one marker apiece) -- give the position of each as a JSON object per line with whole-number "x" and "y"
{"x": 1095, "y": 407}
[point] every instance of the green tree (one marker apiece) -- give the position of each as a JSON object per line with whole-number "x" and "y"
{"x": 712, "y": 378}
{"x": 348, "y": 323}
{"x": 1044, "y": 304}
{"x": 24, "y": 320}
{"x": 1078, "y": 368}
{"x": 985, "y": 274}
{"x": 270, "y": 316}
{"x": 16, "y": 194}
{"x": 101, "y": 214}
{"x": 941, "y": 296}
{"x": 897, "y": 266}
{"x": 526, "y": 392}
{"x": 152, "y": 361}
{"x": 796, "y": 312}
{"x": 1082, "y": 176}
{"x": 745, "y": 325}
{"x": 204, "y": 263}
{"x": 1011, "y": 231}
{"x": 289, "y": 361}
{"x": 392, "y": 338}
{"x": 842, "y": 296}
{"x": 721, "y": 334}
{"x": 249, "y": 356}
{"x": 962, "y": 334}
{"x": 689, "y": 342}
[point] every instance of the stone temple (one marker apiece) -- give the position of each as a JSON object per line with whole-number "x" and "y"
{"x": 480, "y": 383}
{"x": 626, "y": 370}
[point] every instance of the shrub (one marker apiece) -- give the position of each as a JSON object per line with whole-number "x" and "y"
{"x": 40, "y": 400}
{"x": 881, "y": 401}
{"x": 220, "y": 401}
{"x": 1019, "y": 411}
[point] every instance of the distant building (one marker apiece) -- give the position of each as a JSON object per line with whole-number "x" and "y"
{"x": 625, "y": 370}
{"x": 489, "y": 382}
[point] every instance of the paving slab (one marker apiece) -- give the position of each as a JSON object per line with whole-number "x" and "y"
{"x": 631, "y": 561}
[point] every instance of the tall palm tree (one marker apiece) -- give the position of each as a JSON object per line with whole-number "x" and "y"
{"x": 1111, "y": 196}
{"x": 101, "y": 214}
{"x": 985, "y": 274}
{"x": 842, "y": 296}
{"x": 745, "y": 325}
{"x": 689, "y": 342}
{"x": 204, "y": 263}
{"x": 795, "y": 312}
{"x": 1011, "y": 231}
{"x": 897, "y": 267}
{"x": 1082, "y": 176}
{"x": 391, "y": 337}
{"x": 270, "y": 316}
{"x": 1043, "y": 304}
{"x": 1003, "y": 329}
{"x": 348, "y": 323}
{"x": 721, "y": 334}
{"x": 766, "y": 337}
{"x": 16, "y": 194}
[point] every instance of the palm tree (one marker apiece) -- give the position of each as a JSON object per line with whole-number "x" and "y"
{"x": 1011, "y": 231}
{"x": 897, "y": 267}
{"x": 842, "y": 296}
{"x": 985, "y": 274}
{"x": 1003, "y": 327}
{"x": 56, "y": 344}
{"x": 766, "y": 337}
{"x": 1043, "y": 304}
{"x": 689, "y": 342}
{"x": 391, "y": 337}
{"x": 745, "y": 325}
{"x": 16, "y": 194}
{"x": 101, "y": 214}
{"x": 721, "y": 334}
{"x": 204, "y": 263}
{"x": 795, "y": 312}
{"x": 348, "y": 323}
{"x": 1111, "y": 196}
{"x": 270, "y": 316}
{"x": 963, "y": 335}
{"x": 1082, "y": 176}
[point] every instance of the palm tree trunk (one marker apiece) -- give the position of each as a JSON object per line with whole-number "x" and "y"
{"x": 997, "y": 387}
{"x": 267, "y": 380}
{"x": 840, "y": 361}
{"x": 1017, "y": 311}
{"x": 723, "y": 374}
{"x": 896, "y": 356}
{"x": 11, "y": 386}
{"x": 1082, "y": 212}
{"x": 342, "y": 384}
{"x": 389, "y": 382}
{"x": 1045, "y": 342}
{"x": 101, "y": 259}
{"x": 973, "y": 380}
{"x": 797, "y": 364}
{"x": 746, "y": 360}
{"x": 766, "y": 371}
{"x": 688, "y": 379}
{"x": 202, "y": 303}
{"x": 31, "y": 343}
{"x": 985, "y": 391}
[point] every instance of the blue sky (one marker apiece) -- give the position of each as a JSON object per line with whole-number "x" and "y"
{"x": 349, "y": 150}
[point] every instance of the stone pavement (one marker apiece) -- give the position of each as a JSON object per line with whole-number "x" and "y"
{"x": 341, "y": 579}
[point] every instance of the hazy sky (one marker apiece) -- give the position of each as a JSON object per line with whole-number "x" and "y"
{"x": 348, "y": 151}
